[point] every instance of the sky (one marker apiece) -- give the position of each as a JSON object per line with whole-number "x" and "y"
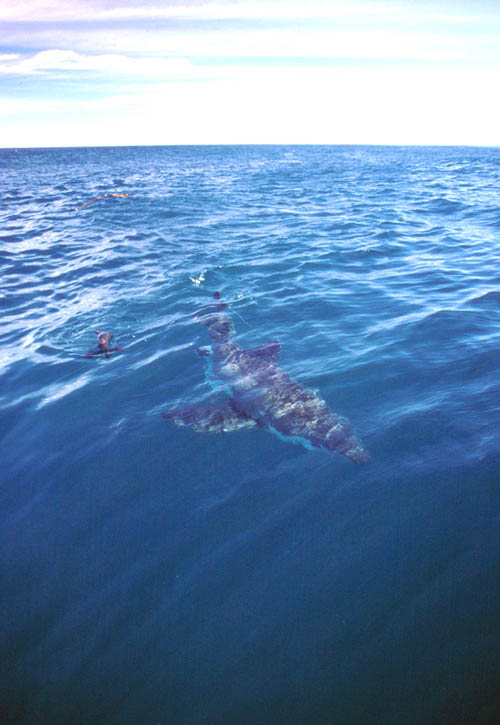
{"x": 122, "y": 72}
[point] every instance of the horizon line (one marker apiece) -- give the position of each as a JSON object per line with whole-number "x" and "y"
{"x": 249, "y": 143}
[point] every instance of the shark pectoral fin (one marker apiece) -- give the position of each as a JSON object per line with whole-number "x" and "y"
{"x": 221, "y": 416}
{"x": 269, "y": 351}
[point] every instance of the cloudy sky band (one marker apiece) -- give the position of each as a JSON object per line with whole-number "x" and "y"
{"x": 328, "y": 72}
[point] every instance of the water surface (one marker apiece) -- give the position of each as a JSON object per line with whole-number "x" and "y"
{"x": 154, "y": 574}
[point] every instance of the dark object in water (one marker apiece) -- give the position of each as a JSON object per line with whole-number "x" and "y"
{"x": 98, "y": 198}
{"x": 103, "y": 339}
{"x": 262, "y": 394}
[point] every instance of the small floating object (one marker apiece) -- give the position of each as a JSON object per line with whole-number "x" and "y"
{"x": 103, "y": 340}
{"x": 98, "y": 198}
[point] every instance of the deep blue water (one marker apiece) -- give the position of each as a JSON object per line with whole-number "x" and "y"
{"x": 152, "y": 574}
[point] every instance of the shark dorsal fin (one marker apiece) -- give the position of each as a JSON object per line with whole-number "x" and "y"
{"x": 269, "y": 351}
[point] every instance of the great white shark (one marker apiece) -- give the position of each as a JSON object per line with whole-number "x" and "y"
{"x": 256, "y": 392}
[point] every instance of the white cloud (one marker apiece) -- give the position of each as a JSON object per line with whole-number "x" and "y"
{"x": 115, "y": 64}
{"x": 276, "y": 107}
{"x": 79, "y": 10}
{"x": 319, "y": 42}
{"x": 330, "y": 28}
{"x": 84, "y": 10}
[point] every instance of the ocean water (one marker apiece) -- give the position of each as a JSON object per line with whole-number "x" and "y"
{"x": 153, "y": 574}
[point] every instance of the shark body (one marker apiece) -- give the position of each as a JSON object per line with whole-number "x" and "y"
{"x": 259, "y": 393}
